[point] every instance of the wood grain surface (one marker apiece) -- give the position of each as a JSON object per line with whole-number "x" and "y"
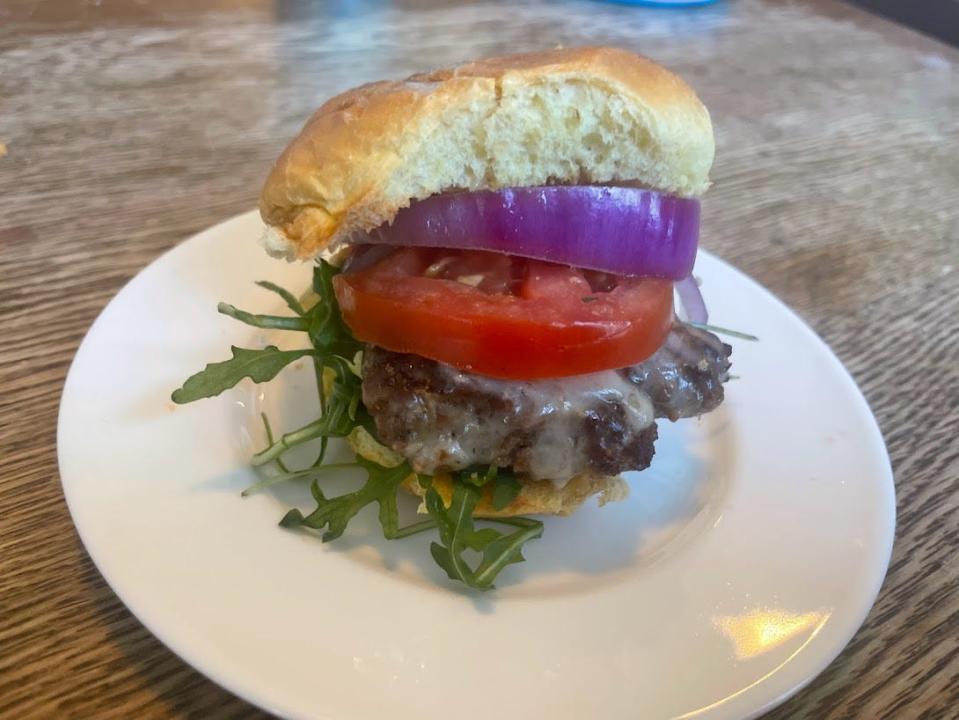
{"x": 129, "y": 125}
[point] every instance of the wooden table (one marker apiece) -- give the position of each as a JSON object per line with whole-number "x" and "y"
{"x": 129, "y": 125}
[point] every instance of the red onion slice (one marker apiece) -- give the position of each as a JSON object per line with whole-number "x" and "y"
{"x": 622, "y": 230}
{"x": 364, "y": 256}
{"x": 692, "y": 299}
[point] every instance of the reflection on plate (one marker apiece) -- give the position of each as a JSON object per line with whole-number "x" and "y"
{"x": 741, "y": 564}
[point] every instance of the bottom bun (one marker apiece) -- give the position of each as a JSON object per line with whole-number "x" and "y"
{"x": 536, "y": 497}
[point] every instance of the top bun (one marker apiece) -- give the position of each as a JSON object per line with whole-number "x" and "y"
{"x": 574, "y": 116}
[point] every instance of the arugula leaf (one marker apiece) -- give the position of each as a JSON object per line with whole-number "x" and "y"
{"x": 506, "y": 550}
{"x": 287, "y": 475}
{"x": 258, "y": 365}
{"x": 338, "y": 351}
{"x": 456, "y": 529}
{"x": 276, "y": 322}
{"x": 505, "y": 490}
{"x": 268, "y": 429}
{"x": 716, "y": 329}
{"x": 506, "y": 487}
{"x": 329, "y": 425}
{"x": 288, "y": 297}
{"x": 319, "y": 370}
{"x": 326, "y": 328}
{"x": 457, "y": 533}
{"x": 334, "y": 514}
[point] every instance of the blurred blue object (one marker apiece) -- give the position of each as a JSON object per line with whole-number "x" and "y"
{"x": 662, "y": 3}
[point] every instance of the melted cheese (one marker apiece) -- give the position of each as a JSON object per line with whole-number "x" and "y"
{"x": 553, "y": 410}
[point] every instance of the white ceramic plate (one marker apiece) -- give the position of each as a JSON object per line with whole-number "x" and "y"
{"x": 743, "y": 562}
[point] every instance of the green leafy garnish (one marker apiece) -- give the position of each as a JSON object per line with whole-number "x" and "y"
{"x": 274, "y": 322}
{"x": 327, "y": 331}
{"x": 506, "y": 487}
{"x": 258, "y": 365}
{"x": 337, "y": 359}
{"x": 456, "y": 531}
{"x": 288, "y": 475}
{"x": 268, "y": 429}
{"x": 334, "y": 514}
{"x": 723, "y": 331}
{"x": 458, "y": 534}
{"x": 505, "y": 490}
{"x": 288, "y": 297}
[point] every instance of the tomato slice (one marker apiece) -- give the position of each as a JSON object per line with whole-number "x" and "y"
{"x": 503, "y": 316}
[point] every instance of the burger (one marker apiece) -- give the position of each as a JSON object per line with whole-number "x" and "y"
{"x": 497, "y": 249}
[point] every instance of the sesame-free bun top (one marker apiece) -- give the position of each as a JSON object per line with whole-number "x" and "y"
{"x": 572, "y": 116}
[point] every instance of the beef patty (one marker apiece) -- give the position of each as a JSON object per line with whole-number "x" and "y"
{"x": 440, "y": 418}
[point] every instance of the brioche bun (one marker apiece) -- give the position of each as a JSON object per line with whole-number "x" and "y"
{"x": 574, "y": 116}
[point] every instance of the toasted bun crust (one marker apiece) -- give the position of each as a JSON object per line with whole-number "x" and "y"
{"x": 536, "y": 497}
{"x": 580, "y": 115}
